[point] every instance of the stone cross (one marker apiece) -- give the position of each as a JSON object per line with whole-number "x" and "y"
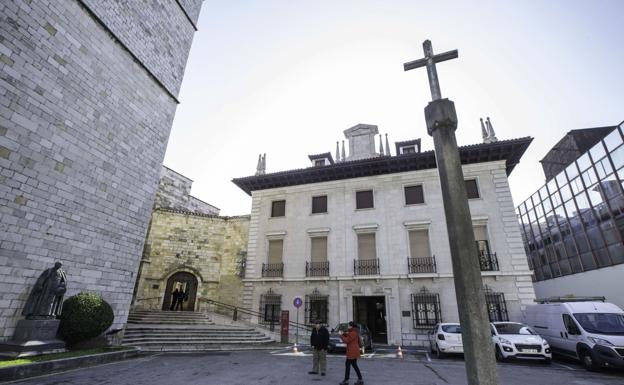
{"x": 430, "y": 61}
{"x": 441, "y": 121}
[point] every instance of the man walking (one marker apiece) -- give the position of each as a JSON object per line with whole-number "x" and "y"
{"x": 319, "y": 340}
{"x": 352, "y": 338}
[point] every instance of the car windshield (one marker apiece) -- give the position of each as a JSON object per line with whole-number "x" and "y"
{"x": 513, "y": 328}
{"x": 342, "y": 327}
{"x": 451, "y": 329}
{"x": 601, "y": 323}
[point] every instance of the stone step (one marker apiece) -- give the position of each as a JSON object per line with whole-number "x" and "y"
{"x": 169, "y": 321}
{"x": 194, "y": 341}
{"x": 185, "y": 335}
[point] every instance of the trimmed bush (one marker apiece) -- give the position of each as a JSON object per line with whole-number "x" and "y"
{"x": 84, "y": 316}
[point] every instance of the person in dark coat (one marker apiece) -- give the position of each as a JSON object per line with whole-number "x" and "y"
{"x": 319, "y": 340}
{"x": 352, "y": 338}
{"x": 175, "y": 297}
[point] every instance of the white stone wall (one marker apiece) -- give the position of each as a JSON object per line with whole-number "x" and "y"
{"x": 87, "y": 99}
{"x": 605, "y": 282}
{"x": 389, "y": 218}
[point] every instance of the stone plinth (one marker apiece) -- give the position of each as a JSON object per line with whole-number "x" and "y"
{"x": 32, "y": 338}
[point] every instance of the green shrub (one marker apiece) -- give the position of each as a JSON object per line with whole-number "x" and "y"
{"x": 84, "y": 316}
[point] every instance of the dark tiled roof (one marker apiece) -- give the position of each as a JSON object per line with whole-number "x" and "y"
{"x": 325, "y": 155}
{"x": 509, "y": 150}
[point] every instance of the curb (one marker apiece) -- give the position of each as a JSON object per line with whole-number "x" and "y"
{"x": 19, "y": 372}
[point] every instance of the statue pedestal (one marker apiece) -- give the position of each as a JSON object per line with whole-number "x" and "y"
{"x": 33, "y": 337}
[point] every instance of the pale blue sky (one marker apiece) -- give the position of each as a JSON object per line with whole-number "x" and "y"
{"x": 286, "y": 77}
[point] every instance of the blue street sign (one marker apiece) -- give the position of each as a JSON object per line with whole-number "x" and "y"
{"x": 297, "y": 302}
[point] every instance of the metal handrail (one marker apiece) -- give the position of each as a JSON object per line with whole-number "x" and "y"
{"x": 488, "y": 261}
{"x": 145, "y": 299}
{"x": 421, "y": 265}
{"x": 366, "y": 266}
{"x": 317, "y": 269}
{"x": 236, "y": 310}
{"x": 273, "y": 269}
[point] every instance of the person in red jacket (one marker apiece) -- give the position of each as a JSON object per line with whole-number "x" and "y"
{"x": 352, "y": 338}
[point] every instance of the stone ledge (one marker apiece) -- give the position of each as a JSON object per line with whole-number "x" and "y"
{"x": 17, "y": 372}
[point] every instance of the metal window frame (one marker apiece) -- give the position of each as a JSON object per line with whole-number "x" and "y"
{"x": 496, "y": 305}
{"x": 270, "y": 299}
{"x": 316, "y": 297}
{"x": 426, "y": 309}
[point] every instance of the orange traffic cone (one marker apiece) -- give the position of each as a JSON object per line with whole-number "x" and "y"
{"x": 399, "y": 353}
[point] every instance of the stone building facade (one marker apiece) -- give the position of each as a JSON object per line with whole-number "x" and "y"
{"x": 200, "y": 254}
{"x": 174, "y": 192}
{"x": 88, "y": 92}
{"x": 364, "y": 238}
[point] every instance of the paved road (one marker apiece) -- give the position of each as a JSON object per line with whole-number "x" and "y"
{"x": 282, "y": 367}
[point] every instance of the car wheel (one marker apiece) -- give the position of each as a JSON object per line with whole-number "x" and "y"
{"x": 499, "y": 355}
{"x": 439, "y": 354}
{"x": 588, "y": 361}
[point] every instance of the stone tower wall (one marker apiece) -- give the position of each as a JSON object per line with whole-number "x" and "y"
{"x": 87, "y": 97}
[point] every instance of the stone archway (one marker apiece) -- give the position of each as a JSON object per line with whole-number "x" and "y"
{"x": 185, "y": 282}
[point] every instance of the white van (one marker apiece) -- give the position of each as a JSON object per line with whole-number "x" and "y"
{"x": 582, "y": 328}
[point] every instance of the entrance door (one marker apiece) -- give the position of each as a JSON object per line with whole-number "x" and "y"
{"x": 185, "y": 283}
{"x": 371, "y": 311}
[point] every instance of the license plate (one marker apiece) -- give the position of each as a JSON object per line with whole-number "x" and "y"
{"x": 341, "y": 345}
{"x": 529, "y": 350}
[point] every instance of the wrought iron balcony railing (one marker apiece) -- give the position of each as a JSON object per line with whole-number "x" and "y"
{"x": 317, "y": 269}
{"x": 366, "y": 266}
{"x": 488, "y": 261}
{"x": 421, "y": 265}
{"x": 272, "y": 269}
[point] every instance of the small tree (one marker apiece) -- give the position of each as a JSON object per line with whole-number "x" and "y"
{"x": 84, "y": 316}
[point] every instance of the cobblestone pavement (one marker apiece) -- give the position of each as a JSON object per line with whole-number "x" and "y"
{"x": 284, "y": 367}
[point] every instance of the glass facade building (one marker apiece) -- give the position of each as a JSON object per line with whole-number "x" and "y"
{"x": 575, "y": 222}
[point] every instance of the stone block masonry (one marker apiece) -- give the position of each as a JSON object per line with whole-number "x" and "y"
{"x": 87, "y": 97}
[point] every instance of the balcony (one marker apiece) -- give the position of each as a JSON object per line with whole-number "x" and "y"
{"x": 366, "y": 266}
{"x": 421, "y": 265}
{"x": 317, "y": 269}
{"x": 272, "y": 270}
{"x": 488, "y": 261}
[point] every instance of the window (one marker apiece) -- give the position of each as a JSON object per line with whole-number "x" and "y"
{"x": 270, "y": 307}
{"x": 472, "y": 189}
{"x": 570, "y": 325}
{"x": 496, "y": 306}
{"x": 425, "y": 309}
{"x": 319, "y": 162}
{"x": 419, "y": 243}
{"x": 414, "y": 195}
{"x": 278, "y": 208}
{"x": 276, "y": 250}
{"x": 408, "y": 149}
{"x": 480, "y": 233}
{"x": 316, "y": 308}
{"x": 319, "y": 204}
{"x": 318, "y": 249}
{"x": 364, "y": 199}
{"x": 366, "y": 246}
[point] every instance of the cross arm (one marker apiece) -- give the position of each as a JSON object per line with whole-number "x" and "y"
{"x": 436, "y": 59}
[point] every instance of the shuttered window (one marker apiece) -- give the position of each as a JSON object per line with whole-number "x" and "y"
{"x": 366, "y": 246}
{"x": 414, "y": 195}
{"x": 278, "y": 208}
{"x": 276, "y": 249}
{"x": 472, "y": 189}
{"x": 319, "y": 204}
{"x": 364, "y": 199}
{"x": 318, "y": 249}
{"x": 419, "y": 243}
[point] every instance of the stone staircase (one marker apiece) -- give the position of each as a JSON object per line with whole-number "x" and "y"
{"x": 178, "y": 331}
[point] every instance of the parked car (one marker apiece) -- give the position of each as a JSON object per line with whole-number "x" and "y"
{"x": 590, "y": 331}
{"x": 336, "y": 344}
{"x": 446, "y": 338}
{"x": 517, "y": 340}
